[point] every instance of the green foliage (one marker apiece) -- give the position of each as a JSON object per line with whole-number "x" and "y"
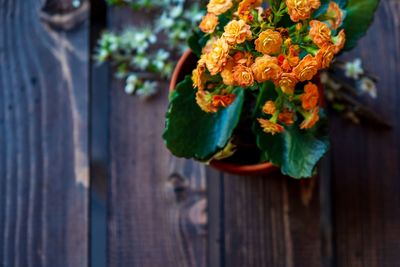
{"x": 322, "y": 9}
{"x": 192, "y": 133}
{"x": 296, "y": 151}
{"x": 359, "y": 15}
{"x": 197, "y": 41}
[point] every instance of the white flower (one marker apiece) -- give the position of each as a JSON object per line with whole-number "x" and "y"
{"x": 167, "y": 70}
{"x": 152, "y": 38}
{"x": 141, "y": 62}
{"x": 164, "y": 22}
{"x": 102, "y": 55}
{"x": 354, "y": 69}
{"x": 147, "y": 89}
{"x": 194, "y": 15}
{"x": 160, "y": 58}
{"x": 368, "y": 86}
{"x": 176, "y": 11}
{"x": 131, "y": 83}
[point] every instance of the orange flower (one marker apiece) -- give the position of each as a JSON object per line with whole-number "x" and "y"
{"x": 236, "y": 32}
{"x": 198, "y": 76}
{"x": 339, "y": 41}
{"x": 301, "y": 9}
{"x": 286, "y": 117}
{"x": 208, "y": 47}
{"x": 209, "y": 23}
{"x": 287, "y": 83}
{"x": 286, "y": 66}
{"x": 218, "y": 7}
{"x": 223, "y": 100}
{"x": 320, "y": 33}
{"x": 218, "y": 56}
{"x": 269, "y": 107}
{"x": 244, "y": 58}
{"x": 204, "y": 100}
{"x": 266, "y": 68}
{"x": 293, "y": 56}
{"x": 311, "y": 119}
{"x": 243, "y": 75}
{"x": 335, "y": 14}
{"x": 309, "y": 99}
{"x": 269, "y": 42}
{"x": 245, "y": 7}
{"x": 325, "y": 55}
{"x": 306, "y": 69}
{"x": 227, "y": 73}
{"x": 270, "y": 127}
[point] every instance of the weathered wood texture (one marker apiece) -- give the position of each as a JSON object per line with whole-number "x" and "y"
{"x": 44, "y": 137}
{"x": 271, "y": 221}
{"x": 365, "y": 164}
{"x": 157, "y": 203}
{"x": 158, "y": 213}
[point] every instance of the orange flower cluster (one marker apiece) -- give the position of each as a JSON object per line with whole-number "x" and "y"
{"x": 253, "y": 49}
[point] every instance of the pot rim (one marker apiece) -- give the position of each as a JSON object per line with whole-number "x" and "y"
{"x": 250, "y": 169}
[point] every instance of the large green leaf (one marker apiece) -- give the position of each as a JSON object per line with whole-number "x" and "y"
{"x": 359, "y": 15}
{"x": 295, "y": 151}
{"x": 193, "y": 133}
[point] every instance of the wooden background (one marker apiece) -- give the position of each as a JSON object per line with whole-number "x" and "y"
{"x": 86, "y": 180}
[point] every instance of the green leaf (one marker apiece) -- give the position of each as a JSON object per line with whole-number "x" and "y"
{"x": 359, "y": 15}
{"x": 193, "y": 133}
{"x": 197, "y": 41}
{"x": 295, "y": 151}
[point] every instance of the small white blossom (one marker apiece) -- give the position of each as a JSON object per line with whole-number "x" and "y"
{"x": 141, "y": 62}
{"x": 147, "y": 89}
{"x": 167, "y": 70}
{"x": 160, "y": 58}
{"x": 176, "y": 11}
{"x": 354, "y": 69}
{"x": 368, "y": 86}
{"x": 152, "y": 39}
{"x": 102, "y": 55}
{"x": 131, "y": 83}
{"x": 194, "y": 15}
{"x": 164, "y": 22}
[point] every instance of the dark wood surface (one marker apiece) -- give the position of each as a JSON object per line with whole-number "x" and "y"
{"x": 169, "y": 228}
{"x": 365, "y": 161}
{"x": 271, "y": 221}
{"x": 163, "y": 211}
{"x": 44, "y": 136}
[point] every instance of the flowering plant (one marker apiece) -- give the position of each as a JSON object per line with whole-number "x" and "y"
{"x": 257, "y": 81}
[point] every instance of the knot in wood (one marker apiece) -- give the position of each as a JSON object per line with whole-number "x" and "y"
{"x": 65, "y": 15}
{"x": 178, "y": 184}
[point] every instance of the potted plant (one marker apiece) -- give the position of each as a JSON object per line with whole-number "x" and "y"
{"x": 247, "y": 98}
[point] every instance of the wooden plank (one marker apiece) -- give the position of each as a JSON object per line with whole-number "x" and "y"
{"x": 366, "y": 160}
{"x": 156, "y": 203}
{"x": 99, "y": 140}
{"x": 44, "y": 135}
{"x": 271, "y": 221}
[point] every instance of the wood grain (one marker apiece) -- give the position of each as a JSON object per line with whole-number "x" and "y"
{"x": 44, "y": 138}
{"x": 157, "y": 203}
{"x": 271, "y": 221}
{"x": 366, "y": 160}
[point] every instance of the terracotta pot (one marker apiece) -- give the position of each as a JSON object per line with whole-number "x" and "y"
{"x": 184, "y": 67}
